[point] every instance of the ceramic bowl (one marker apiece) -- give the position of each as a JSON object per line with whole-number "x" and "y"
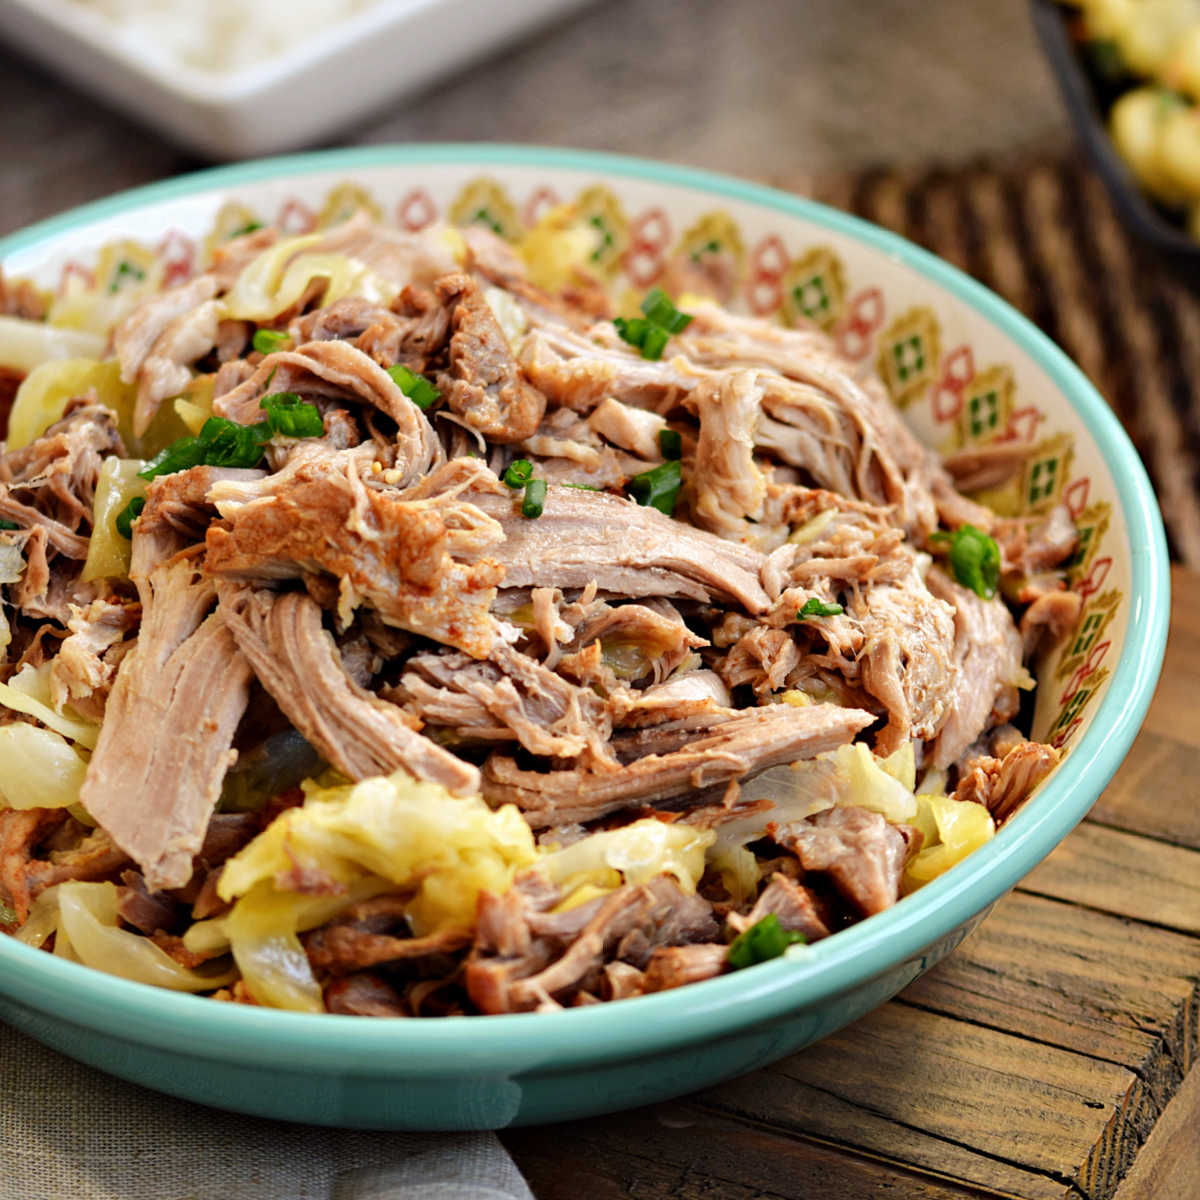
{"x": 963, "y": 366}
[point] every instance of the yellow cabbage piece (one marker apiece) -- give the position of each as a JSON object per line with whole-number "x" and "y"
{"x": 26, "y": 345}
{"x": 45, "y": 391}
{"x": 634, "y": 853}
{"x": 415, "y": 835}
{"x": 560, "y": 248}
{"x": 108, "y": 551}
{"x": 83, "y": 917}
{"x": 384, "y": 834}
{"x": 38, "y": 768}
{"x": 28, "y": 691}
{"x": 281, "y": 274}
{"x": 739, "y": 871}
{"x": 952, "y": 829}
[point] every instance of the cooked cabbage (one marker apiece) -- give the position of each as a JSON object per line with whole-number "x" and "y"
{"x": 952, "y": 829}
{"x": 634, "y": 853}
{"x": 28, "y": 691}
{"x": 560, "y": 248}
{"x": 280, "y": 275}
{"x": 38, "y": 767}
{"x": 417, "y": 836}
{"x": 45, "y": 391}
{"x": 83, "y": 918}
{"x": 108, "y": 551}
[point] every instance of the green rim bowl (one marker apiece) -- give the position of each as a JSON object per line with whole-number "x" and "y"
{"x": 490, "y": 1072}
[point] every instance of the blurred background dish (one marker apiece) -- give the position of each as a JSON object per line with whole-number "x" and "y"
{"x": 1114, "y": 64}
{"x": 234, "y": 81}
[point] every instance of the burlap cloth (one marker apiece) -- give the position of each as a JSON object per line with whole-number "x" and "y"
{"x": 68, "y": 1132}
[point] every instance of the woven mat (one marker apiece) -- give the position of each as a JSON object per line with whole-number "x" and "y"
{"x": 1043, "y": 235}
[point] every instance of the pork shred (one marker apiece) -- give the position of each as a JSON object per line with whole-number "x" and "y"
{"x": 389, "y": 596}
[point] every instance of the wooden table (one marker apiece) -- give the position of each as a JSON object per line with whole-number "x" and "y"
{"x": 1048, "y": 1057}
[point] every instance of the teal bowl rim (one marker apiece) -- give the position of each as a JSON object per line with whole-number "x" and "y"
{"x": 809, "y": 976}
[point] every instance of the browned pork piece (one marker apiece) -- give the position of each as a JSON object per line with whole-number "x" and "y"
{"x": 400, "y": 552}
{"x": 524, "y": 958}
{"x": 863, "y": 855}
{"x": 587, "y": 537}
{"x": 1001, "y": 784}
{"x": 56, "y": 473}
{"x": 735, "y": 748}
{"x": 794, "y": 905}
{"x": 297, "y": 661}
{"x": 509, "y": 695}
{"x": 485, "y": 386}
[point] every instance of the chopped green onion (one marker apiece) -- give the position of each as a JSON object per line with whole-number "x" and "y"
{"x": 267, "y": 341}
{"x": 764, "y": 940}
{"x": 228, "y": 444}
{"x": 289, "y": 416}
{"x": 975, "y": 558}
{"x": 129, "y": 514}
{"x": 535, "y": 498}
{"x": 658, "y": 487}
{"x": 670, "y": 443}
{"x": 660, "y": 311}
{"x": 178, "y": 456}
{"x": 654, "y": 342}
{"x": 416, "y": 387}
{"x": 518, "y": 473}
{"x": 651, "y": 332}
{"x": 9, "y": 525}
{"x": 221, "y": 443}
{"x": 582, "y": 487}
{"x": 818, "y": 608}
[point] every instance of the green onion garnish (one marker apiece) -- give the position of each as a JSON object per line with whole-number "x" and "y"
{"x": 818, "y": 608}
{"x": 764, "y": 940}
{"x": 658, "y": 487}
{"x": 267, "y": 341}
{"x": 227, "y": 444}
{"x": 289, "y": 416}
{"x": 670, "y": 443}
{"x": 416, "y": 387}
{"x": 129, "y": 514}
{"x": 582, "y": 487}
{"x": 178, "y": 456}
{"x": 650, "y": 332}
{"x": 535, "y": 499}
{"x": 518, "y": 473}
{"x": 975, "y": 558}
{"x": 660, "y": 311}
{"x": 4, "y": 524}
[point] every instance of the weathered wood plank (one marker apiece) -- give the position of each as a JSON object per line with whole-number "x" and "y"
{"x": 1156, "y": 792}
{"x": 685, "y": 1151}
{"x": 978, "y": 1105}
{"x": 1080, "y": 980}
{"x": 1173, "y": 713}
{"x": 1168, "y": 1165}
{"x": 1123, "y": 874}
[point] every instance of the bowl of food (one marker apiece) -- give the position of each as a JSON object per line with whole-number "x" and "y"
{"x": 1129, "y": 76}
{"x": 497, "y": 634}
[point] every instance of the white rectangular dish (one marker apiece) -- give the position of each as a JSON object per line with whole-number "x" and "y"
{"x": 296, "y": 97}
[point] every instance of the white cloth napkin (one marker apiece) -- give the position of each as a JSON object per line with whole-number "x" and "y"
{"x": 69, "y": 1131}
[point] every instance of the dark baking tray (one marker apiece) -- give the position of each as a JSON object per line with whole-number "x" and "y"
{"x": 1087, "y": 100}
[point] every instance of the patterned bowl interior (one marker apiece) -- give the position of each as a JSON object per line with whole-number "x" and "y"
{"x": 960, "y": 381}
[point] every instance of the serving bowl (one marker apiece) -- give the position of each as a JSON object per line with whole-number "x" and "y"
{"x": 963, "y": 366}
